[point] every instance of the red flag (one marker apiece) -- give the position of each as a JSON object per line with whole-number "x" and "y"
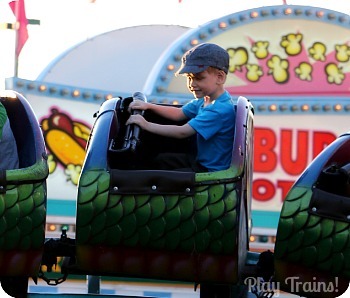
{"x": 19, "y": 11}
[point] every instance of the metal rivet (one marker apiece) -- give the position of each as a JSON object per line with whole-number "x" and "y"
{"x": 188, "y": 189}
{"x": 1, "y": 187}
{"x": 115, "y": 188}
{"x": 314, "y": 209}
{"x": 154, "y": 187}
{"x": 348, "y": 217}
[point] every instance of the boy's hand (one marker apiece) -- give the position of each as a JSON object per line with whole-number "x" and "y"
{"x": 138, "y": 120}
{"x": 137, "y": 105}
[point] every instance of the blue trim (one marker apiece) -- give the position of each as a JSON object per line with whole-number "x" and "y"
{"x": 107, "y": 292}
{"x": 61, "y": 207}
{"x": 86, "y": 95}
{"x": 42, "y": 289}
{"x": 156, "y": 294}
{"x": 265, "y": 219}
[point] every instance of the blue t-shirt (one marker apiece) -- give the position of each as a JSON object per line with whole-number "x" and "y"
{"x": 8, "y": 147}
{"x": 215, "y": 125}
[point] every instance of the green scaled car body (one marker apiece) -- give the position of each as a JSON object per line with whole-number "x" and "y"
{"x": 312, "y": 250}
{"x": 23, "y": 196}
{"x": 169, "y": 225}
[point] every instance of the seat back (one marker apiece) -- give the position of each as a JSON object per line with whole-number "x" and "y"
{"x": 312, "y": 244}
{"x": 23, "y": 196}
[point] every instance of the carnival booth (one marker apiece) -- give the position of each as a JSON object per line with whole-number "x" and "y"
{"x": 292, "y": 64}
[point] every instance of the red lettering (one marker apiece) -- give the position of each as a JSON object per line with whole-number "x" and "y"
{"x": 297, "y": 149}
{"x": 265, "y": 158}
{"x": 263, "y": 190}
{"x": 321, "y": 140}
{"x": 285, "y": 186}
{"x": 297, "y": 165}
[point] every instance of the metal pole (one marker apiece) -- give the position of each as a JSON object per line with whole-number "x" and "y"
{"x": 93, "y": 283}
{"x": 16, "y": 39}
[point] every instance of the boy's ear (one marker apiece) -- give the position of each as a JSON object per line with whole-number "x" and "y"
{"x": 221, "y": 76}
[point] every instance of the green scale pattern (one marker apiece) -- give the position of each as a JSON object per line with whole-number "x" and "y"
{"x": 205, "y": 222}
{"x": 312, "y": 241}
{"x": 22, "y": 217}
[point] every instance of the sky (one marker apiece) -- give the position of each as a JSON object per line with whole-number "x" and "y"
{"x": 66, "y": 23}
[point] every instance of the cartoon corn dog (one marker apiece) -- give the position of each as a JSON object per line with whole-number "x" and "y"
{"x": 66, "y": 140}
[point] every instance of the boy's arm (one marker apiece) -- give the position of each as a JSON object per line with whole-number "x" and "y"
{"x": 169, "y": 112}
{"x": 173, "y": 131}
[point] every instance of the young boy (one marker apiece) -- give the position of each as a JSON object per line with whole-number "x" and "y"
{"x": 211, "y": 114}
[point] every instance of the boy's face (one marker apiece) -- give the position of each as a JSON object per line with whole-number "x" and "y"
{"x": 205, "y": 83}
